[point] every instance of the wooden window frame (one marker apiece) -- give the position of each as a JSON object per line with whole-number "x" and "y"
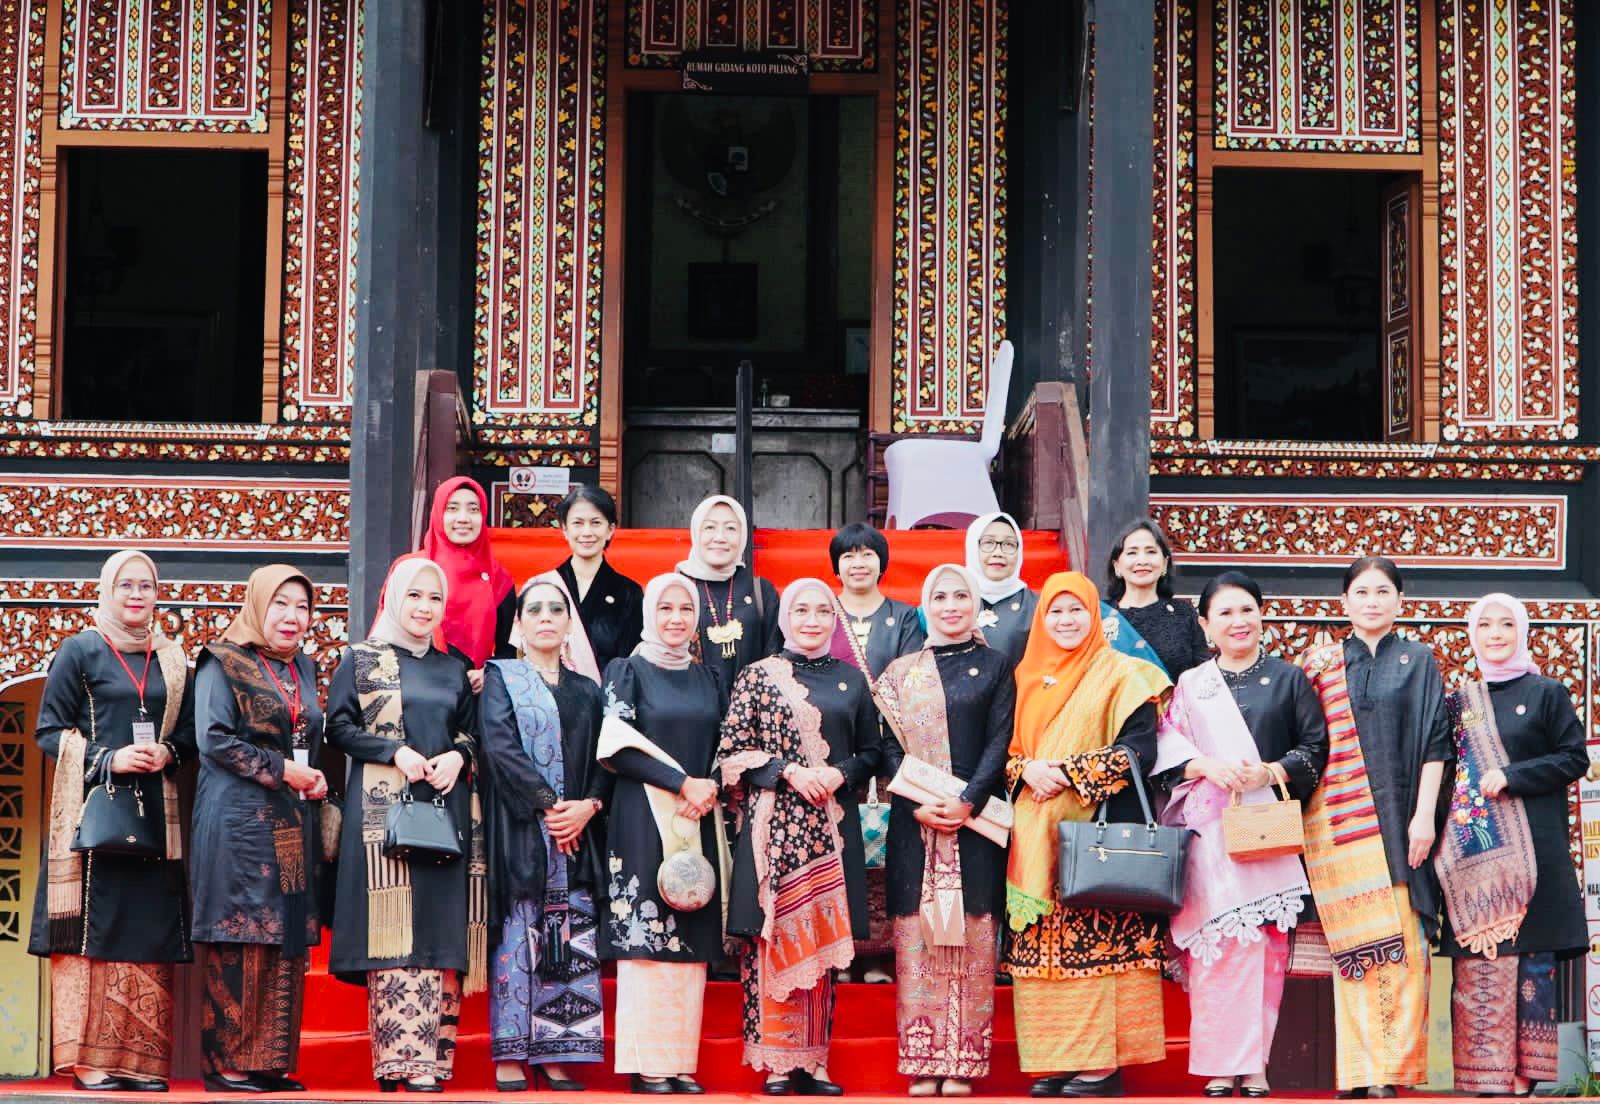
{"x": 1208, "y": 159}
{"x": 52, "y": 222}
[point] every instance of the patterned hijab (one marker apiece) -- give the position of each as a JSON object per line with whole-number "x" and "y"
{"x": 651, "y": 647}
{"x": 402, "y": 576}
{"x": 120, "y": 635}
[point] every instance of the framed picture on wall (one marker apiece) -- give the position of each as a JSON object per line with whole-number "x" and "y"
{"x": 723, "y": 301}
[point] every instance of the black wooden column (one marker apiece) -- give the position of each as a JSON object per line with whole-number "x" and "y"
{"x": 396, "y": 287}
{"x": 1119, "y": 387}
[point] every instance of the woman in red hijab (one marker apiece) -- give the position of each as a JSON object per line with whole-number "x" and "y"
{"x": 481, "y": 607}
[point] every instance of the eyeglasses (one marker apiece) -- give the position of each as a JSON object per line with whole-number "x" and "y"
{"x": 126, "y": 588}
{"x": 989, "y": 544}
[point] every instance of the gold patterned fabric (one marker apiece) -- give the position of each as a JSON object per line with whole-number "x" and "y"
{"x": 412, "y": 1016}
{"x": 1381, "y": 1021}
{"x": 1091, "y": 1023}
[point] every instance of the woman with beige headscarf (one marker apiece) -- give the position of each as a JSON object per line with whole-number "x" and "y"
{"x": 259, "y": 727}
{"x": 405, "y": 714}
{"x": 115, "y": 711}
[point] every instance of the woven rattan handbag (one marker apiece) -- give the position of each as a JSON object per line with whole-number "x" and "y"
{"x": 1266, "y": 830}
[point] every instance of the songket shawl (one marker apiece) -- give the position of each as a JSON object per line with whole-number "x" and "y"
{"x": 1486, "y": 863}
{"x": 1122, "y": 636}
{"x": 799, "y": 855}
{"x": 1345, "y": 860}
{"x": 390, "y": 908}
{"x": 1223, "y": 898}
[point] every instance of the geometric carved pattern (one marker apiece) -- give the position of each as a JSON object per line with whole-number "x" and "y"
{"x": 12, "y": 828}
{"x": 839, "y": 35}
{"x": 1172, "y": 254}
{"x": 22, "y": 30}
{"x": 322, "y": 208}
{"x": 1508, "y": 219}
{"x": 166, "y": 65}
{"x": 949, "y": 211}
{"x": 541, "y": 182}
{"x": 1478, "y": 532}
{"x": 155, "y": 512}
{"x": 1324, "y": 76}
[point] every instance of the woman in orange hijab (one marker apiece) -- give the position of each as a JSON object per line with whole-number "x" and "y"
{"x": 1087, "y": 982}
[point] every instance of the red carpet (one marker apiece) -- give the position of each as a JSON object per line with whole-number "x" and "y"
{"x": 782, "y": 555}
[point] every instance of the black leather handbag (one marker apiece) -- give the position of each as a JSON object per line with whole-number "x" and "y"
{"x": 114, "y": 823}
{"x": 420, "y": 831}
{"x": 1123, "y": 867}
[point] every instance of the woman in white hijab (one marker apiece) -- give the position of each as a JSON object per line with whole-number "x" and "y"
{"x": 994, "y": 556}
{"x": 738, "y": 609}
{"x": 405, "y": 714}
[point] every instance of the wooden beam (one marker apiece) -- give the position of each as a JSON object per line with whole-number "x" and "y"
{"x": 1124, "y": 166}
{"x": 396, "y": 268}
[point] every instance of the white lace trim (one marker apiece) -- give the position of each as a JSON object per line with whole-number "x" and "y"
{"x": 1244, "y": 924}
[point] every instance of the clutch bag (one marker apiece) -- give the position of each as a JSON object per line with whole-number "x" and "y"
{"x": 686, "y": 881}
{"x": 1123, "y": 867}
{"x": 420, "y": 831}
{"x": 113, "y": 822}
{"x": 920, "y": 781}
{"x": 1265, "y": 830}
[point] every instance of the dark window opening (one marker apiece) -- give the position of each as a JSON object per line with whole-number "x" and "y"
{"x": 1299, "y": 330}
{"x": 165, "y": 285}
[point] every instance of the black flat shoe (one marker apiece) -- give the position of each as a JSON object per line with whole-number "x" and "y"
{"x": 686, "y": 1085}
{"x": 216, "y": 1082}
{"x": 639, "y": 1084}
{"x": 556, "y": 1084}
{"x": 110, "y": 1084}
{"x": 778, "y": 1086}
{"x": 1218, "y": 1090}
{"x": 388, "y": 1084}
{"x": 143, "y": 1084}
{"x": 1255, "y": 1092}
{"x": 1110, "y": 1085}
{"x": 1382, "y": 1092}
{"x": 1351, "y": 1094}
{"x": 806, "y": 1084}
{"x": 433, "y": 1088}
{"x": 277, "y": 1082}
{"x": 1047, "y": 1086}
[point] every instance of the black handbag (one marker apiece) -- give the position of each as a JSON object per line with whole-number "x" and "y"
{"x": 112, "y": 820}
{"x": 1123, "y": 867}
{"x": 420, "y": 831}
{"x": 114, "y": 823}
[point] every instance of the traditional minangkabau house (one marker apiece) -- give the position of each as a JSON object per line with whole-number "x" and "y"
{"x": 1324, "y": 268}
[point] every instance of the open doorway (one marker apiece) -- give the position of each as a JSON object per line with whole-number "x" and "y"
{"x": 750, "y": 231}
{"x": 1314, "y": 304}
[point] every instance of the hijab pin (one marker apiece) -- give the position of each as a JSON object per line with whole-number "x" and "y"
{"x": 1049, "y": 681}
{"x": 1405, "y": 659}
{"x": 844, "y": 687}
{"x": 484, "y": 575}
{"x": 611, "y": 599}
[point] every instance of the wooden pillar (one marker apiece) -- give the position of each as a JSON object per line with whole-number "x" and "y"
{"x": 1119, "y": 387}
{"x": 396, "y": 288}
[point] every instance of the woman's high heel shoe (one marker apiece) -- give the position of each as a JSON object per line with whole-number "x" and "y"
{"x": 556, "y": 1084}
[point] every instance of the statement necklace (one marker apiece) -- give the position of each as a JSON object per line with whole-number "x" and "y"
{"x": 730, "y": 630}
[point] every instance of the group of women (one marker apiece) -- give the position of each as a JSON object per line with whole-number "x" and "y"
{"x": 660, "y": 776}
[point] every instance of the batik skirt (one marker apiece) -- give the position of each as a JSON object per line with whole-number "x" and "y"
{"x": 115, "y": 1017}
{"x": 253, "y": 1003}
{"x": 781, "y": 1036}
{"x": 543, "y": 1011}
{"x": 1503, "y": 1014}
{"x": 413, "y": 1013}
{"x": 944, "y": 1000}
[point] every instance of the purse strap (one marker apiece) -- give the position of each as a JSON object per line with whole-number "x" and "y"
{"x": 1138, "y": 787}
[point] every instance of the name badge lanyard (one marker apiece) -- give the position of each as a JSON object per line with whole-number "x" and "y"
{"x": 144, "y": 732}
{"x": 298, "y": 744}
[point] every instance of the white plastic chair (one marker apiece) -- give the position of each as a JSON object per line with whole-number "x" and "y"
{"x": 948, "y": 481}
